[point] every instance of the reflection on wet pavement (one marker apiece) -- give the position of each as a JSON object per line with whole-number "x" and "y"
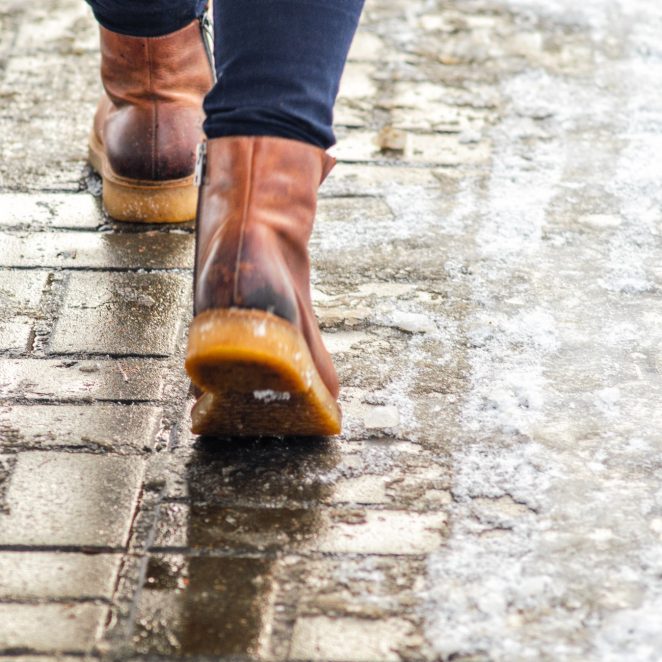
{"x": 203, "y": 605}
{"x": 216, "y": 604}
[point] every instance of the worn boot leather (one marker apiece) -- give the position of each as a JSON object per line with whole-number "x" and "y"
{"x": 149, "y": 122}
{"x": 255, "y": 217}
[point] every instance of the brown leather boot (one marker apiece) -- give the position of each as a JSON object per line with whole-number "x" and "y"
{"x": 149, "y": 123}
{"x": 255, "y": 348}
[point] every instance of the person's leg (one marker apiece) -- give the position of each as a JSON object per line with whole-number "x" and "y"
{"x": 255, "y": 348}
{"x": 155, "y": 72}
{"x": 146, "y": 18}
{"x": 279, "y": 64}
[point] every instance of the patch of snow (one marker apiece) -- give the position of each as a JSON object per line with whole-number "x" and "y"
{"x": 268, "y": 396}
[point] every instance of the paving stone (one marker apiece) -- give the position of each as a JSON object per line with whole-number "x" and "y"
{"x": 379, "y": 418}
{"x": 15, "y": 335}
{"x": 349, "y": 639}
{"x": 374, "y": 587}
{"x": 352, "y": 210}
{"x": 62, "y": 26}
{"x": 50, "y": 628}
{"x": 275, "y": 472}
{"x": 297, "y": 474}
{"x": 428, "y": 105}
{"x": 366, "y": 489}
{"x": 69, "y": 499}
{"x": 49, "y": 164}
{"x": 351, "y": 113}
{"x": 120, "y": 314}
{"x": 367, "y": 46}
{"x": 211, "y": 526}
{"x": 203, "y": 606}
{"x": 51, "y": 575}
{"x": 344, "y": 341}
{"x": 358, "y": 82}
{"x": 52, "y": 379}
{"x": 82, "y": 250}
{"x": 107, "y": 427}
{"x": 339, "y": 530}
{"x": 351, "y": 179}
{"x": 437, "y": 149}
{"x": 48, "y": 87}
{"x": 78, "y": 211}
{"x": 20, "y": 294}
{"x": 380, "y": 532}
{"x": 172, "y": 530}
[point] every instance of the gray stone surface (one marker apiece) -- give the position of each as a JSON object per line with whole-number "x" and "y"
{"x": 486, "y": 271}
{"x": 50, "y": 210}
{"x": 338, "y": 639}
{"x": 52, "y": 575}
{"x": 49, "y": 628}
{"x": 78, "y": 250}
{"x": 66, "y": 499}
{"x": 121, "y": 314}
{"x": 104, "y": 427}
{"x": 55, "y": 379}
{"x": 204, "y": 606}
{"x": 20, "y": 295}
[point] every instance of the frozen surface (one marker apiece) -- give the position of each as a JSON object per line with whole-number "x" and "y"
{"x": 555, "y": 549}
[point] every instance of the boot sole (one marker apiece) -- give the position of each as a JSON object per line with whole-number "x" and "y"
{"x": 140, "y": 201}
{"x": 257, "y": 377}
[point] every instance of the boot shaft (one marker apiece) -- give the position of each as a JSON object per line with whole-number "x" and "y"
{"x": 144, "y": 70}
{"x": 255, "y": 216}
{"x": 150, "y": 119}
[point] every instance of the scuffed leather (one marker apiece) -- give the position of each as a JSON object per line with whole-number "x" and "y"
{"x": 255, "y": 217}
{"x": 149, "y": 120}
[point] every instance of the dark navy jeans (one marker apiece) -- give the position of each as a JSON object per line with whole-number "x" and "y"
{"x": 278, "y": 62}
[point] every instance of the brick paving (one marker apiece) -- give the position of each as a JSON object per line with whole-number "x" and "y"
{"x": 486, "y": 273}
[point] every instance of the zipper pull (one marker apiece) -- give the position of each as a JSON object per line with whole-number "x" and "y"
{"x": 201, "y": 163}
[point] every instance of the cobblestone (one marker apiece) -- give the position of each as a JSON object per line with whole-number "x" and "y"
{"x": 121, "y": 314}
{"x": 63, "y": 500}
{"x": 31, "y": 211}
{"x": 20, "y": 294}
{"x": 50, "y": 627}
{"x": 216, "y": 608}
{"x": 49, "y": 575}
{"x": 119, "y": 427}
{"x": 134, "y": 380}
{"x": 88, "y": 251}
{"x": 349, "y": 639}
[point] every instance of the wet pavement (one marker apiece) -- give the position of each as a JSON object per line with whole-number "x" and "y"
{"x": 487, "y": 274}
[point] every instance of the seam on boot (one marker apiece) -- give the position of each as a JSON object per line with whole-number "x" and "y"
{"x": 153, "y": 107}
{"x": 247, "y": 201}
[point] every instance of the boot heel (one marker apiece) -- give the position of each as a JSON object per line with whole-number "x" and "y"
{"x": 136, "y": 201}
{"x": 158, "y": 202}
{"x": 257, "y": 376}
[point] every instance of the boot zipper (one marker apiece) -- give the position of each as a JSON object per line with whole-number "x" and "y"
{"x": 201, "y": 163}
{"x": 207, "y": 31}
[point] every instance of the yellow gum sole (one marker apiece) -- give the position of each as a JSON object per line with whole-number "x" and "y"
{"x": 257, "y": 378}
{"x": 136, "y": 201}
